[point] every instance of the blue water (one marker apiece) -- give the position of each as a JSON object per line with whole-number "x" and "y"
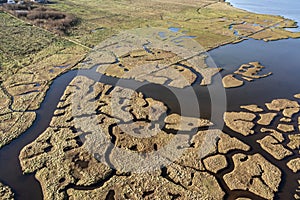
{"x": 163, "y": 35}
{"x": 287, "y": 8}
{"x": 174, "y": 29}
{"x": 235, "y": 32}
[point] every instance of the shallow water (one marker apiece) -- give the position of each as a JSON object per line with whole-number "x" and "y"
{"x": 174, "y": 29}
{"x": 288, "y": 8}
{"x": 280, "y": 57}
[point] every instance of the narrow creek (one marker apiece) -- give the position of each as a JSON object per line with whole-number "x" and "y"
{"x": 280, "y": 57}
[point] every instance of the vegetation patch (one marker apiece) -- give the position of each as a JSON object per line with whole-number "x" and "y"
{"x": 28, "y": 59}
{"x": 70, "y": 158}
{"x": 6, "y": 193}
{"x": 43, "y": 16}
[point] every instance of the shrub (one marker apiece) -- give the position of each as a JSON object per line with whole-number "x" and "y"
{"x": 21, "y": 14}
{"x": 50, "y": 19}
{"x": 25, "y": 6}
{"x": 47, "y": 15}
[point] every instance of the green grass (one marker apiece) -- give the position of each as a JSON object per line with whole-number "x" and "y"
{"x": 115, "y": 16}
{"x": 19, "y": 40}
{"x": 23, "y": 45}
{"x": 28, "y": 53}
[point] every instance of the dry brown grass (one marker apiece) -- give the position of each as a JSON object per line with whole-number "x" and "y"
{"x": 43, "y": 16}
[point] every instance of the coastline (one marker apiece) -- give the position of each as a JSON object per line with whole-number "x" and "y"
{"x": 261, "y": 7}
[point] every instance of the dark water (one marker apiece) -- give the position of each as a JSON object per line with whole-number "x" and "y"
{"x": 280, "y": 57}
{"x": 283, "y": 59}
{"x": 25, "y": 186}
{"x": 287, "y": 8}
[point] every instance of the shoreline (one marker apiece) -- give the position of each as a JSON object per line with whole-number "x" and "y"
{"x": 248, "y": 7}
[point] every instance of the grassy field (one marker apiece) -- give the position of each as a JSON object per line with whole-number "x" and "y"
{"x": 209, "y": 20}
{"x": 28, "y": 64}
{"x": 19, "y": 40}
{"x": 22, "y": 45}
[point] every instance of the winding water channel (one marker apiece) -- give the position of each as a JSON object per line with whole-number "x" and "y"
{"x": 280, "y": 57}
